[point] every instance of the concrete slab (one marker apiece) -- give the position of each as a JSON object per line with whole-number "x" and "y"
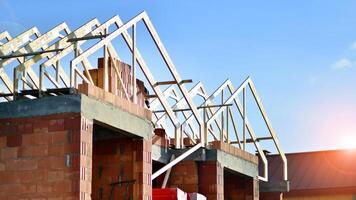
{"x": 93, "y": 109}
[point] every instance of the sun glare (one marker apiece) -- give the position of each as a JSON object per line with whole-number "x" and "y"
{"x": 349, "y": 142}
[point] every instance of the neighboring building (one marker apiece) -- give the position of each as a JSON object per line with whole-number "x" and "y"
{"x": 321, "y": 175}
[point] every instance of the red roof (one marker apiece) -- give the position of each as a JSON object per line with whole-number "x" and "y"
{"x": 333, "y": 169}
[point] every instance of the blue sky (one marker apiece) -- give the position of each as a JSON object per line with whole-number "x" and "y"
{"x": 301, "y": 55}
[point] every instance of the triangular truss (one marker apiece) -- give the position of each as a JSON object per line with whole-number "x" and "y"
{"x": 183, "y": 119}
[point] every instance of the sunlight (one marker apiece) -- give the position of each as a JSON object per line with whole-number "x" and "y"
{"x": 348, "y": 141}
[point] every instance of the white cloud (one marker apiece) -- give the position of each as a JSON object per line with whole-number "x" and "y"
{"x": 342, "y": 64}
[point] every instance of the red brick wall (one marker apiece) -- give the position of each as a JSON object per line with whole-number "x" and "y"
{"x": 122, "y": 160}
{"x": 184, "y": 176}
{"x": 211, "y": 180}
{"x": 202, "y": 177}
{"x": 39, "y": 157}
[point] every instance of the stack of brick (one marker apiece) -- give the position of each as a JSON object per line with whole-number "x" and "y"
{"x": 115, "y": 86}
{"x": 160, "y": 138}
{"x": 40, "y": 157}
{"x": 126, "y": 162}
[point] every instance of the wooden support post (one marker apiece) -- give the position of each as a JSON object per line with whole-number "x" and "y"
{"x": 227, "y": 125}
{"x": 134, "y": 89}
{"x": 106, "y": 70}
{"x": 205, "y": 127}
{"x": 244, "y": 118}
{"x": 57, "y": 71}
{"x": 222, "y": 119}
{"x": 166, "y": 176}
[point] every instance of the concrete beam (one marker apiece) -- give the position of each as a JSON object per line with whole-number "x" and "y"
{"x": 229, "y": 161}
{"x": 237, "y": 164}
{"x": 40, "y": 107}
{"x": 274, "y": 186}
{"x": 115, "y": 117}
{"x": 90, "y": 108}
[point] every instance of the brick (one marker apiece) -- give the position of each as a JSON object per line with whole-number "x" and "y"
{"x": 56, "y": 125}
{"x": 59, "y": 137}
{"x": 28, "y": 188}
{"x": 2, "y": 167}
{"x": 188, "y": 142}
{"x": 21, "y": 164}
{"x": 32, "y": 176}
{"x": 37, "y": 139}
{"x": 40, "y": 125}
{"x": 33, "y": 151}
{"x": 160, "y": 132}
{"x": 9, "y": 153}
{"x": 55, "y": 198}
{"x": 3, "y": 140}
{"x": 55, "y": 175}
{"x": 62, "y": 186}
{"x": 9, "y": 189}
{"x": 25, "y": 128}
{"x": 44, "y": 188}
{"x": 9, "y": 178}
{"x": 72, "y": 123}
{"x": 7, "y": 128}
{"x": 14, "y": 140}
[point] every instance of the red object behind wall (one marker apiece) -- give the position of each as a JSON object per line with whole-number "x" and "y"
{"x": 169, "y": 194}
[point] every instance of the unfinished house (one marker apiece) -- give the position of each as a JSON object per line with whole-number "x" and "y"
{"x": 85, "y": 115}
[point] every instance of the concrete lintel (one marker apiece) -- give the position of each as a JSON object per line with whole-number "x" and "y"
{"x": 274, "y": 186}
{"x": 198, "y": 155}
{"x": 108, "y": 114}
{"x": 237, "y": 164}
{"x": 229, "y": 161}
{"x": 40, "y": 107}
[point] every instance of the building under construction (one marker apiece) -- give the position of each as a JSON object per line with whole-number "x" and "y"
{"x": 79, "y": 121}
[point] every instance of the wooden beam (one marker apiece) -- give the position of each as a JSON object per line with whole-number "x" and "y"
{"x": 29, "y": 54}
{"x": 250, "y": 140}
{"x": 199, "y": 107}
{"x": 87, "y": 38}
{"x": 174, "y": 82}
{"x": 166, "y": 176}
{"x": 150, "y": 96}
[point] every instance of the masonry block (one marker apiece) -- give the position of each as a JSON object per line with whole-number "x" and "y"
{"x": 34, "y": 161}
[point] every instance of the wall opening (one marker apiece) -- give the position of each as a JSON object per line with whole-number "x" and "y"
{"x": 114, "y": 157}
{"x": 237, "y": 186}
